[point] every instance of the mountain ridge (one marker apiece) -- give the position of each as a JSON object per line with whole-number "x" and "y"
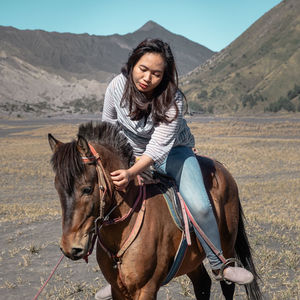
{"x": 64, "y": 65}
{"x": 257, "y": 69}
{"x": 52, "y": 50}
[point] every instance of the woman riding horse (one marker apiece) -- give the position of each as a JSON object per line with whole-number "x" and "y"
{"x": 145, "y": 101}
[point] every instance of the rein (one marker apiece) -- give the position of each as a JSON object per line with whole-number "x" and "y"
{"x": 104, "y": 220}
{"x": 50, "y": 276}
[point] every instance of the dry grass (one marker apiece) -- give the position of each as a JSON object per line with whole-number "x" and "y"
{"x": 26, "y": 174}
{"x": 263, "y": 157}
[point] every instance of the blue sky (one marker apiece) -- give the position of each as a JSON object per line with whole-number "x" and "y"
{"x": 212, "y": 23}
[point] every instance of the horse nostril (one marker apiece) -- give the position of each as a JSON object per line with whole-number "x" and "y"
{"x": 76, "y": 252}
{"x": 62, "y": 250}
{"x": 66, "y": 254}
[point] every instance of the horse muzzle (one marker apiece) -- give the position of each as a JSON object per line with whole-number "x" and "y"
{"x": 76, "y": 249}
{"x": 75, "y": 253}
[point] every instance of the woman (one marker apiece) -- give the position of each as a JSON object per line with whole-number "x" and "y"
{"x": 148, "y": 106}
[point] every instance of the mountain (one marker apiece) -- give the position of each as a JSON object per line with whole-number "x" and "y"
{"x": 48, "y": 71}
{"x": 91, "y": 56}
{"x": 259, "y": 71}
{"x": 188, "y": 54}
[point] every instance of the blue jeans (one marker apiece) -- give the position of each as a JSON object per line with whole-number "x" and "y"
{"x": 182, "y": 165}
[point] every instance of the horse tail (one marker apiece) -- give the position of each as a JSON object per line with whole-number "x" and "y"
{"x": 243, "y": 253}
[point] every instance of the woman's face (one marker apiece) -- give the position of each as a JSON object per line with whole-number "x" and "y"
{"x": 148, "y": 72}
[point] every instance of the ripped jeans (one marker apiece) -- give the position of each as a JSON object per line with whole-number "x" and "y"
{"x": 182, "y": 165}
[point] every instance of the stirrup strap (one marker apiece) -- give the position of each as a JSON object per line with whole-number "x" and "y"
{"x": 205, "y": 237}
{"x": 185, "y": 219}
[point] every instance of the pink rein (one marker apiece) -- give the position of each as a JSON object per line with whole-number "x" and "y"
{"x": 53, "y": 271}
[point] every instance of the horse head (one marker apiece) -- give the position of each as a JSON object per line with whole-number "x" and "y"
{"x": 77, "y": 187}
{"x": 83, "y": 183}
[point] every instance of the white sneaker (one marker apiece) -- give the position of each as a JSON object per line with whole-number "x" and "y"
{"x": 104, "y": 293}
{"x": 236, "y": 275}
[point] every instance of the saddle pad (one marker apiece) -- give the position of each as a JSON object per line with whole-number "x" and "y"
{"x": 168, "y": 188}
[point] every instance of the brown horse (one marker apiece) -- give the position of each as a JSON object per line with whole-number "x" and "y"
{"x": 86, "y": 192}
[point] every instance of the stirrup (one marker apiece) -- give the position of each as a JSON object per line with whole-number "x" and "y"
{"x": 225, "y": 264}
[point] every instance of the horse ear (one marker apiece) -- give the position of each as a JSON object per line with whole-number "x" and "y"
{"x": 83, "y": 146}
{"x": 53, "y": 142}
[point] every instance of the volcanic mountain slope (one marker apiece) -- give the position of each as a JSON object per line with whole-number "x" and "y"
{"x": 259, "y": 71}
{"x": 91, "y": 56}
{"x": 49, "y": 71}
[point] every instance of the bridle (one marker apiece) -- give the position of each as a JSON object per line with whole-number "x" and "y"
{"x": 103, "y": 181}
{"x": 105, "y": 187}
{"x": 104, "y": 220}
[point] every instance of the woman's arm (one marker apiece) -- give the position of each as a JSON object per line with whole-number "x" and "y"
{"x": 160, "y": 144}
{"x": 109, "y": 113}
{"x": 122, "y": 177}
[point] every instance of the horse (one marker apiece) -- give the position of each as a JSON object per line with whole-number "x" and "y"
{"x": 92, "y": 207}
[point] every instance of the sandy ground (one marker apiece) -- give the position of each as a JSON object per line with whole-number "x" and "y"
{"x": 261, "y": 152}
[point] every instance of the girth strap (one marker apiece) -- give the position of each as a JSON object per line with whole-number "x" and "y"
{"x": 177, "y": 260}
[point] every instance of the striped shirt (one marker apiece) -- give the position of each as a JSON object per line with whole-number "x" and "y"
{"x": 155, "y": 141}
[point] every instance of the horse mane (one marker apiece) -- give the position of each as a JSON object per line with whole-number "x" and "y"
{"x": 67, "y": 162}
{"x": 110, "y": 136}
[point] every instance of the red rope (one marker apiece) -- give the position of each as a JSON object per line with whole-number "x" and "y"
{"x": 53, "y": 271}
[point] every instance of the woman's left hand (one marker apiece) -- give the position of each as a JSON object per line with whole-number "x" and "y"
{"x": 121, "y": 178}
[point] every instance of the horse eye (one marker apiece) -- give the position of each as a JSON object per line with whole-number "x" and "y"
{"x": 87, "y": 190}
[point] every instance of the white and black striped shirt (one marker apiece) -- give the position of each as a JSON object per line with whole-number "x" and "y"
{"x": 152, "y": 140}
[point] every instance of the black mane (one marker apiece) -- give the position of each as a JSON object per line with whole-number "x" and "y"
{"x": 108, "y": 135}
{"x": 67, "y": 161}
{"x": 67, "y": 164}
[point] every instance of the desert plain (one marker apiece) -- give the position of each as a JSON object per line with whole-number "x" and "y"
{"x": 262, "y": 153}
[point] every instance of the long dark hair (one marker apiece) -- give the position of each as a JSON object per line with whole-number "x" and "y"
{"x": 163, "y": 96}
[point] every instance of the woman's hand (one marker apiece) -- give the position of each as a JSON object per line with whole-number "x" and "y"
{"x": 121, "y": 178}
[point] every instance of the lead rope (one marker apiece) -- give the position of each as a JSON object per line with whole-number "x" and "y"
{"x": 51, "y": 274}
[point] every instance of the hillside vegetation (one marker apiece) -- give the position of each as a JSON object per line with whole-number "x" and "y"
{"x": 259, "y": 71}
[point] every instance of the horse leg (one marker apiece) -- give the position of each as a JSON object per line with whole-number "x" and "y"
{"x": 201, "y": 282}
{"x": 117, "y": 294}
{"x": 146, "y": 295}
{"x": 227, "y": 290}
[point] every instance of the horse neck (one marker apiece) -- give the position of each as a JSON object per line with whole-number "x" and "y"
{"x": 126, "y": 200}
